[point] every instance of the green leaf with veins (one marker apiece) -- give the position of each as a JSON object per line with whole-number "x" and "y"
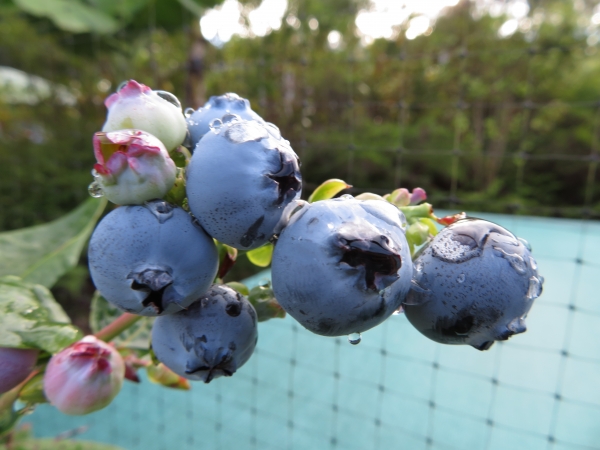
{"x": 43, "y": 253}
{"x": 137, "y": 336}
{"x": 31, "y": 318}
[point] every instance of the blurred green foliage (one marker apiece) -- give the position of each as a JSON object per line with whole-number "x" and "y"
{"x": 481, "y": 122}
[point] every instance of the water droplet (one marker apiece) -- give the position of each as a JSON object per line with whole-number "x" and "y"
{"x": 461, "y": 278}
{"x": 346, "y": 197}
{"x": 167, "y": 96}
{"x": 354, "y": 338}
{"x": 188, "y": 112}
{"x": 535, "y": 288}
{"x": 161, "y": 209}
{"x": 241, "y": 132}
{"x": 419, "y": 267}
{"x": 516, "y": 261}
{"x": 532, "y": 263}
{"x": 525, "y": 243}
{"x": 95, "y": 190}
{"x": 215, "y": 125}
{"x": 455, "y": 248}
{"x": 229, "y": 118}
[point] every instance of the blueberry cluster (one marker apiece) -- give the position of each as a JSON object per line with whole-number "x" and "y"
{"x": 157, "y": 254}
{"x": 192, "y": 184}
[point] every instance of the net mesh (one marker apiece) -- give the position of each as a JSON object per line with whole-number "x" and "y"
{"x": 397, "y": 389}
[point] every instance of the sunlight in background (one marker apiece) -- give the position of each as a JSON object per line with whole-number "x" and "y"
{"x": 384, "y": 18}
{"x": 219, "y": 24}
{"x": 334, "y": 39}
{"x": 267, "y": 17}
{"x": 381, "y": 19}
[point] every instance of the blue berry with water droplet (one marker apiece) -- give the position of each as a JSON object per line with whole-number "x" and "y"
{"x": 342, "y": 266}
{"x": 474, "y": 285}
{"x": 213, "y": 337}
{"x": 151, "y": 259}
{"x": 199, "y": 122}
{"x": 239, "y": 180}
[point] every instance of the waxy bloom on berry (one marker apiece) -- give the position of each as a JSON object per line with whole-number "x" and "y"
{"x": 84, "y": 377}
{"x": 133, "y": 166}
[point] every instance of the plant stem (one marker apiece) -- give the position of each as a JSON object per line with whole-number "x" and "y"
{"x": 116, "y": 327}
{"x": 8, "y": 398}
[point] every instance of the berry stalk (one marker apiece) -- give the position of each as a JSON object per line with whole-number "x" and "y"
{"x": 116, "y": 327}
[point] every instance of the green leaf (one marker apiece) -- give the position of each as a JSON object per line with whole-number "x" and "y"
{"x": 261, "y": 256}
{"x": 417, "y": 233}
{"x": 71, "y": 15}
{"x": 198, "y": 7}
{"x": 137, "y": 336}
{"x": 122, "y": 9}
{"x": 31, "y": 318}
{"x": 239, "y": 287}
{"x": 63, "y": 444}
{"x": 42, "y": 254}
{"x": 33, "y": 391}
{"x": 265, "y": 304}
{"x": 192, "y": 7}
{"x": 161, "y": 374}
{"x": 177, "y": 194}
{"x": 430, "y": 224}
{"x": 328, "y": 189}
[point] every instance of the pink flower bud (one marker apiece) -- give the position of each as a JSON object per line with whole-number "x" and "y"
{"x": 133, "y": 166}
{"x": 418, "y": 195}
{"x": 400, "y": 197}
{"x": 156, "y": 112}
{"x": 15, "y": 365}
{"x": 84, "y": 377}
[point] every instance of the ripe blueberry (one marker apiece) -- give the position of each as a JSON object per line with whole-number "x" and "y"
{"x": 213, "y": 337}
{"x": 342, "y": 266}
{"x": 151, "y": 259}
{"x": 239, "y": 180}
{"x": 474, "y": 284}
{"x": 198, "y": 123}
